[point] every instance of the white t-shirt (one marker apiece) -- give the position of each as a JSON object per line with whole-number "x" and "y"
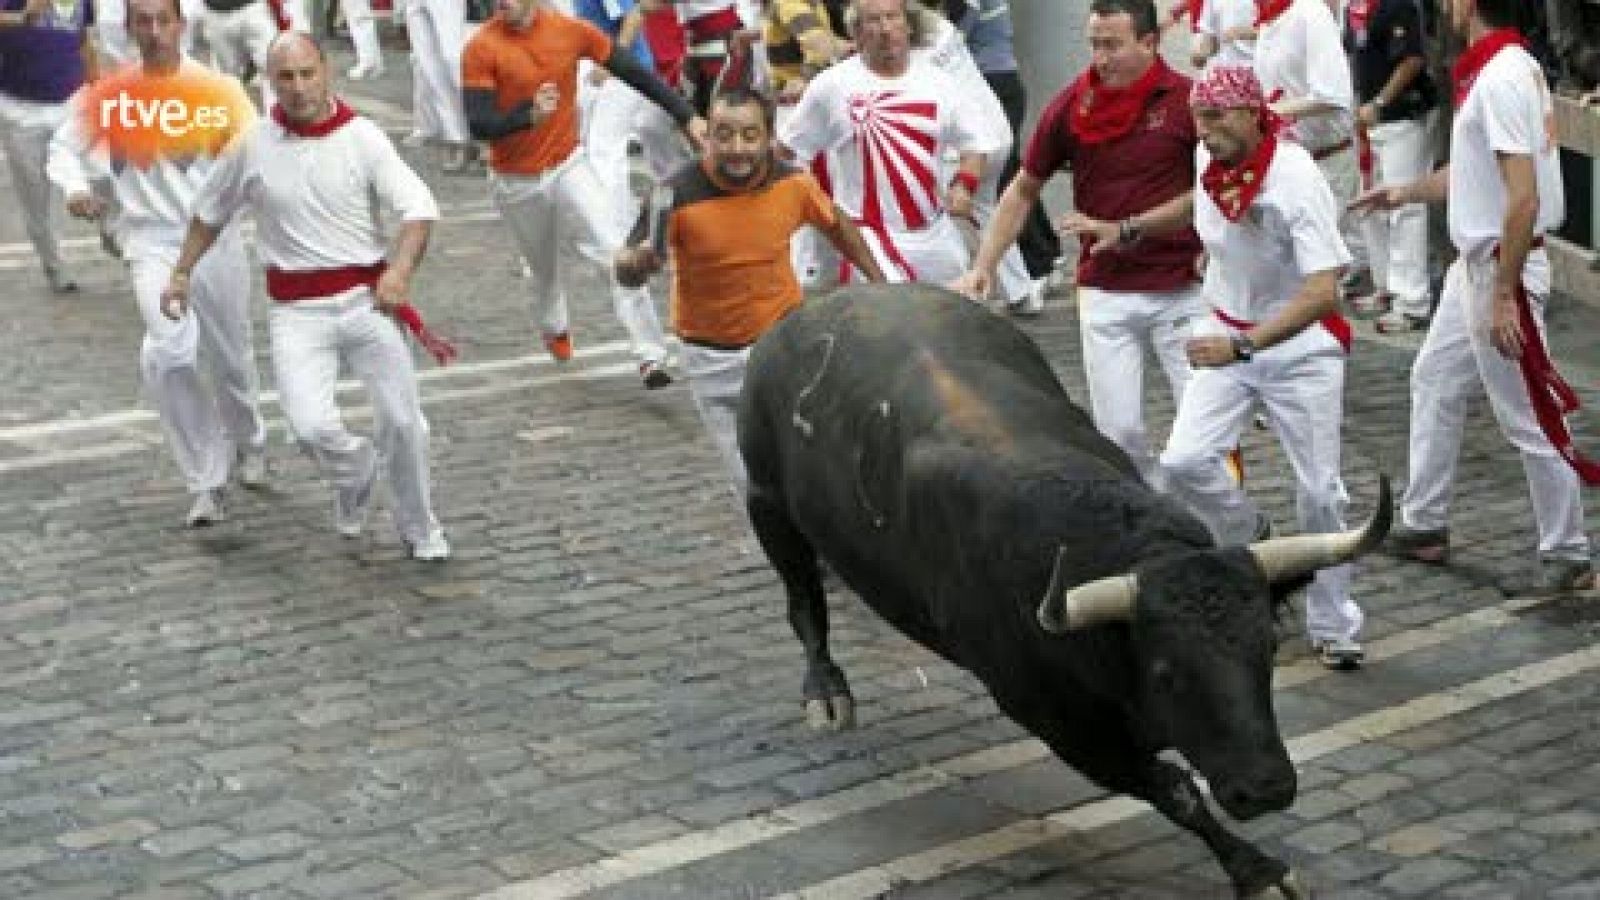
{"x": 1217, "y": 18}
{"x": 316, "y": 201}
{"x": 153, "y": 201}
{"x": 1509, "y": 110}
{"x": 1256, "y": 265}
{"x": 1301, "y": 53}
{"x": 887, "y": 136}
{"x": 948, "y": 53}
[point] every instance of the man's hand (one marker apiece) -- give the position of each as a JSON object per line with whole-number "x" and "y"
{"x": 84, "y": 205}
{"x": 958, "y": 203}
{"x": 635, "y": 265}
{"x": 1382, "y": 199}
{"x": 974, "y": 284}
{"x": 1105, "y": 234}
{"x": 175, "y": 297}
{"x": 598, "y": 76}
{"x": 789, "y": 94}
{"x": 393, "y": 288}
{"x": 545, "y": 101}
{"x": 1212, "y": 352}
{"x": 698, "y": 134}
{"x": 1367, "y": 114}
{"x": 1505, "y": 330}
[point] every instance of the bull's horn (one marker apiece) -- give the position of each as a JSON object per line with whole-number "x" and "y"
{"x": 1105, "y": 600}
{"x": 1282, "y": 559}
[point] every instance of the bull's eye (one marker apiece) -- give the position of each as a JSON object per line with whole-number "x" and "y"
{"x": 1162, "y": 676}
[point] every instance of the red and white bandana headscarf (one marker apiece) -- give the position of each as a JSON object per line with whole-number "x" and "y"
{"x": 1233, "y": 188}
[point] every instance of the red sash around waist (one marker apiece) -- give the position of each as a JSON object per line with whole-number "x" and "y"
{"x": 1337, "y": 325}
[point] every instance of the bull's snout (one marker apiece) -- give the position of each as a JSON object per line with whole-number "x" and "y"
{"x": 1246, "y": 798}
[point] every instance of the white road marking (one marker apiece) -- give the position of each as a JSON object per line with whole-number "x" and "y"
{"x": 1018, "y": 836}
{"x": 693, "y": 847}
{"x": 139, "y": 416}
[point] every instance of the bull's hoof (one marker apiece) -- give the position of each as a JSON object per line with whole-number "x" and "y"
{"x": 835, "y": 713}
{"x": 1292, "y": 887}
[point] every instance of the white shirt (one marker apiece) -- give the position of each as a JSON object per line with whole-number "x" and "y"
{"x": 154, "y": 202}
{"x": 1508, "y": 110}
{"x": 887, "y": 136}
{"x": 316, "y": 200}
{"x": 1301, "y": 53}
{"x": 948, "y": 53}
{"x": 1217, "y": 18}
{"x": 1256, "y": 265}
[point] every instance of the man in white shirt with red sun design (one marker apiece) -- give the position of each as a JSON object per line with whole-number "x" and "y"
{"x": 888, "y": 119}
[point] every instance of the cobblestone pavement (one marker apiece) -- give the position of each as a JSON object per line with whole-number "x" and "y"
{"x": 600, "y": 692}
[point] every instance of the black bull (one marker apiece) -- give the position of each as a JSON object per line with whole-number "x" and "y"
{"x": 925, "y": 449}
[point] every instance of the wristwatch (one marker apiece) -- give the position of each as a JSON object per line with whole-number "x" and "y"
{"x": 1243, "y": 348}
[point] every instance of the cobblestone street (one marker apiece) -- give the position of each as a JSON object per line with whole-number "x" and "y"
{"x": 599, "y": 695}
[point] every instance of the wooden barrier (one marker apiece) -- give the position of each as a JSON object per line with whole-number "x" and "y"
{"x": 1577, "y": 268}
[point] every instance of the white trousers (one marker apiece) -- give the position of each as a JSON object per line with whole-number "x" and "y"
{"x": 616, "y": 115}
{"x": 1302, "y": 395}
{"x": 206, "y": 428}
{"x": 311, "y": 339}
{"x": 1115, "y": 327}
{"x": 25, "y": 130}
{"x": 363, "y": 32}
{"x": 241, "y": 36}
{"x": 937, "y": 254}
{"x": 437, "y": 31}
{"x": 565, "y": 213}
{"x": 1343, "y": 171}
{"x": 1012, "y": 278}
{"x": 715, "y": 379}
{"x": 1456, "y": 362}
{"x": 1397, "y": 241}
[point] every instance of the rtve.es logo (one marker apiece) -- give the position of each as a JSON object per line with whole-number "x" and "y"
{"x": 139, "y": 119}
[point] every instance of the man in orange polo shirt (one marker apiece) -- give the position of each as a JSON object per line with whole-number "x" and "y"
{"x": 728, "y": 229}
{"x": 519, "y": 77}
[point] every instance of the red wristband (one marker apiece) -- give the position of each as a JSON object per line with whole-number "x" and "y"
{"x": 966, "y": 180}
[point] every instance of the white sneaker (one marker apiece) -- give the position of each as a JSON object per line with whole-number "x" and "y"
{"x": 206, "y": 510}
{"x": 252, "y": 469}
{"x": 1030, "y": 304}
{"x": 433, "y": 548}
{"x": 351, "y": 506}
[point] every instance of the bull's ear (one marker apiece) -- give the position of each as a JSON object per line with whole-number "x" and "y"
{"x": 1067, "y": 608}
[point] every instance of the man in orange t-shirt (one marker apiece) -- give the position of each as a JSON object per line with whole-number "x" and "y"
{"x": 728, "y": 228}
{"x": 519, "y": 78}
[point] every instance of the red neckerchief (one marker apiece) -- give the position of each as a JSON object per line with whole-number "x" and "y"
{"x": 1359, "y": 15}
{"x": 1268, "y": 10}
{"x": 1099, "y": 113}
{"x": 342, "y": 115}
{"x": 1234, "y": 188}
{"x": 1474, "y": 58}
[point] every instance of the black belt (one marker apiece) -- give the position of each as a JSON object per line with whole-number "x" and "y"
{"x": 714, "y": 345}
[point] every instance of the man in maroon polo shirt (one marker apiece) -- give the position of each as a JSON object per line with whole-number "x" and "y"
{"x": 1124, "y": 129}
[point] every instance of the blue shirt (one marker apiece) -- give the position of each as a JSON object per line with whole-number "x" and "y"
{"x": 986, "y": 24}
{"x": 41, "y": 63}
{"x": 607, "y": 15}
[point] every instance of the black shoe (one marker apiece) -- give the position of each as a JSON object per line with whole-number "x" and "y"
{"x": 1424, "y": 546}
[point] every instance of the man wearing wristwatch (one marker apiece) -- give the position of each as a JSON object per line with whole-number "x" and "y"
{"x": 1274, "y": 339}
{"x": 1124, "y": 131}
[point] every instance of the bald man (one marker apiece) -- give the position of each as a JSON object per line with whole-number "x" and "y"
{"x": 310, "y": 175}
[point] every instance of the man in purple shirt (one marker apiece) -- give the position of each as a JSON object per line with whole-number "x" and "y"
{"x": 46, "y": 52}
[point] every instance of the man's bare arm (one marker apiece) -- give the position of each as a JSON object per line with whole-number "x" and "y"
{"x": 846, "y": 238}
